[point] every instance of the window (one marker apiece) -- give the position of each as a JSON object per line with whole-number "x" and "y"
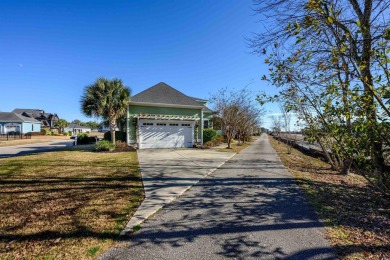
{"x": 205, "y": 123}
{"x": 161, "y": 124}
{"x": 147, "y": 123}
{"x": 185, "y": 125}
{"x": 174, "y": 124}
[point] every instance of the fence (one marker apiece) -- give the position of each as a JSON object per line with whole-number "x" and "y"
{"x": 14, "y": 136}
{"x": 305, "y": 147}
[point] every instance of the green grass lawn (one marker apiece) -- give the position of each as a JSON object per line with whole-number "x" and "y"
{"x": 68, "y": 204}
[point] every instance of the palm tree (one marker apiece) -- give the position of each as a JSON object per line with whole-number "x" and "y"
{"x": 106, "y": 98}
{"x": 62, "y": 123}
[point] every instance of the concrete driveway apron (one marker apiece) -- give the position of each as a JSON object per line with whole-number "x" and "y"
{"x": 250, "y": 208}
{"x": 168, "y": 173}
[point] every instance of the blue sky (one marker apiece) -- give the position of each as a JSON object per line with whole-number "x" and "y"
{"x": 50, "y": 50}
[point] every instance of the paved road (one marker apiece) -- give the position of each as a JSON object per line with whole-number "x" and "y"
{"x": 17, "y": 150}
{"x": 248, "y": 208}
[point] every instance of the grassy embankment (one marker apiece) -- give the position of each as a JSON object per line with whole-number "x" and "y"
{"x": 357, "y": 218}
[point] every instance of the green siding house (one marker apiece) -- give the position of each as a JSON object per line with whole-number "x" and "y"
{"x": 163, "y": 117}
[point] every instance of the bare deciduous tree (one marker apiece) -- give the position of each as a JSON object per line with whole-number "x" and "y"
{"x": 334, "y": 57}
{"x": 237, "y": 112}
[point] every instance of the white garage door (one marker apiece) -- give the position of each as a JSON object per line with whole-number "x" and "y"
{"x": 165, "y": 134}
{"x": 11, "y": 127}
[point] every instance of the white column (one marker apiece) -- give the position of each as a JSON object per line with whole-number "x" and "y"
{"x": 201, "y": 123}
{"x": 127, "y": 126}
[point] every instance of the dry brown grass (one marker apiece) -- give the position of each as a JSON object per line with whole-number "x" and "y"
{"x": 357, "y": 218}
{"x": 66, "y": 204}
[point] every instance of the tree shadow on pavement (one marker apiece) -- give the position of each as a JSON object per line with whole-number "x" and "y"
{"x": 244, "y": 214}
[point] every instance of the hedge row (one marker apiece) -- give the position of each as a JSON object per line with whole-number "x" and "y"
{"x": 119, "y": 136}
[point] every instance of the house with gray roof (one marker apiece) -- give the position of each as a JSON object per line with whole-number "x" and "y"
{"x": 163, "y": 117}
{"x": 11, "y": 122}
{"x": 77, "y": 129}
{"x": 47, "y": 119}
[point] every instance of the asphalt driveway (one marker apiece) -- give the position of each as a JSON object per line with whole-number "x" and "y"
{"x": 250, "y": 207}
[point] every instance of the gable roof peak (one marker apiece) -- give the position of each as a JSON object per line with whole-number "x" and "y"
{"x": 14, "y": 117}
{"x": 162, "y": 93}
{"x": 21, "y": 110}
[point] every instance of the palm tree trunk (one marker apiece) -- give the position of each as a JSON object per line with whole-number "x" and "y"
{"x": 112, "y": 129}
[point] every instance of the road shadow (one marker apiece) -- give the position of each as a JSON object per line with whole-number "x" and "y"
{"x": 228, "y": 208}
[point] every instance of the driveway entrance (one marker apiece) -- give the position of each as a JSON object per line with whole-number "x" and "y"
{"x": 168, "y": 173}
{"x": 250, "y": 208}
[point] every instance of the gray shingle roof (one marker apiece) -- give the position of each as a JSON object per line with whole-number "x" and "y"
{"x": 199, "y": 99}
{"x": 27, "y": 110}
{"x": 33, "y": 113}
{"x": 206, "y": 109}
{"x": 71, "y": 125}
{"x": 14, "y": 117}
{"x": 162, "y": 93}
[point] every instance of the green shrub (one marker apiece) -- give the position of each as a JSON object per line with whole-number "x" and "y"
{"x": 69, "y": 132}
{"x": 54, "y": 132}
{"x": 209, "y": 135}
{"x": 44, "y": 131}
{"x": 93, "y": 250}
{"x": 119, "y": 136}
{"x": 104, "y": 145}
{"x": 48, "y": 132}
{"x": 65, "y": 134}
{"x": 83, "y": 138}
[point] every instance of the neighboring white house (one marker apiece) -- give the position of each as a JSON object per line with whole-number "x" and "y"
{"x": 77, "y": 129}
{"x": 106, "y": 129}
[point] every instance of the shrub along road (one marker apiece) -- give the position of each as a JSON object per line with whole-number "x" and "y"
{"x": 251, "y": 207}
